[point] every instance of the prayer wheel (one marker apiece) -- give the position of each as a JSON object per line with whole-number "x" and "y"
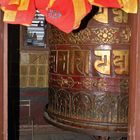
{"x": 89, "y": 75}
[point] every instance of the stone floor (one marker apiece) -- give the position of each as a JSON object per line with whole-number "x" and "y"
{"x": 51, "y": 133}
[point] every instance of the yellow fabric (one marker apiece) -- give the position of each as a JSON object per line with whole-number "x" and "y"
{"x": 79, "y": 10}
{"x": 14, "y": 2}
{"x": 130, "y": 6}
{"x": 93, "y": 3}
{"x": 51, "y": 2}
{"x": 23, "y": 5}
{"x": 9, "y": 15}
{"x": 2, "y": 8}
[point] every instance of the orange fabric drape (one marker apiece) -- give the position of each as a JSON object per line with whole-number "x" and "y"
{"x": 18, "y": 11}
{"x": 106, "y": 3}
{"x": 64, "y": 14}
{"x": 129, "y": 6}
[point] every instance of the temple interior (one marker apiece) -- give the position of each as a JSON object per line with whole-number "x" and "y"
{"x": 77, "y": 80}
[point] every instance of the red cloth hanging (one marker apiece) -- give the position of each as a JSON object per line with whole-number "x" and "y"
{"x": 106, "y": 3}
{"x": 64, "y": 13}
{"x": 13, "y": 15}
{"x": 5, "y": 5}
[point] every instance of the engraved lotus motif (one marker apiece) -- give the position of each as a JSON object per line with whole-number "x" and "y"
{"x": 105, "y": 35}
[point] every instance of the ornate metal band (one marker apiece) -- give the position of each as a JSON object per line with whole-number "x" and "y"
{"x": 89, "y": 109}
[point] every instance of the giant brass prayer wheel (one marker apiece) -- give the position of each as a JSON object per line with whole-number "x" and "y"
{"x": 89, "y": 74}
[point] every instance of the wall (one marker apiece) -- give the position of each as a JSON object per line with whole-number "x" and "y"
{"x": 34, "y": 83}
{"x": 34, "y": 69}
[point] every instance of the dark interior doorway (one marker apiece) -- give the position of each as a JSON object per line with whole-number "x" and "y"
{"x": 13, "y": 82}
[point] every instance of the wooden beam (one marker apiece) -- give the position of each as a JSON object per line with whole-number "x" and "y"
{"x": 134, "y": 94}
{"x": 3, "y": 80}
{"x": 1, "y": 76}
{"x": 5, "y": 84}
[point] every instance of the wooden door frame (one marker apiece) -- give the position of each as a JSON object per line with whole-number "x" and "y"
{"x": 3, "y": 80}
{"x": 5, "y": 84}
{"x": 134, "y": 94}
{"x": 134, "y": 87}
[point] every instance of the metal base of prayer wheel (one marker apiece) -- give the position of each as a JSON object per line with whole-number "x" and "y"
{"x": 89, "y": 72}
{"x": 91, "y": 132}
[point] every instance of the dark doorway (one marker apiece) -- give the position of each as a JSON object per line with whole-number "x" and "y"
{"x": 13, "y": 82}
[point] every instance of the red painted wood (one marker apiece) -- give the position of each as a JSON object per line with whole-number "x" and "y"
{"x": 134, "y": 97}
{"x": 1, "y": 77}
{"x": 3, "y": 80}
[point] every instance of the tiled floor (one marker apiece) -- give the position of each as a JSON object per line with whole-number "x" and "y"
{"x": 52, "y": 133}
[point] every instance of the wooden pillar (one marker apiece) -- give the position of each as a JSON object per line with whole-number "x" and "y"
{"x": 1, "y": 77}
{"x": 3, "y": 80}
{"x": 134, "y": 97}
{"x": 5, "y": 83}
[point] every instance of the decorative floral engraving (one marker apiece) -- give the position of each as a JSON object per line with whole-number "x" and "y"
{"x": 59, "y": 37}
{"x": 80, "y": 37}
{"x": 102, "y": 84}
{"x": 87, "y": 83}
{"x": 66, "y": 82}
{"x": 105, "y": 35}
{"x": 92, "y": 35}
